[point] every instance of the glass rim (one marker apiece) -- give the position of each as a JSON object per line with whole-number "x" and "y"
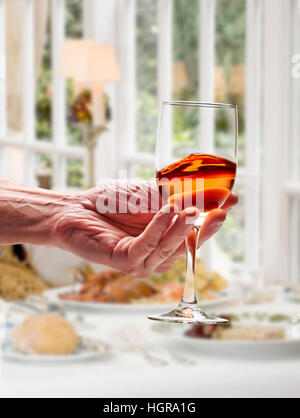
{"x": 198, "y": 104}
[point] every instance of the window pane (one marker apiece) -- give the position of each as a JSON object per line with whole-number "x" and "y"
{"x": 146, "y": 74}
{"x": 2, "y": 161}
{"x": 142, "y": 172}
{"x": 185, "y": 70}
{"x": 294, "y": 239}
{"x": 294, "y": 152}
{"x": 43, "y": 170}
{"x": 230, "y": 64}
{"x": 74, "y": 18}
{"x": 228, "y": 244}
{"x": 294, "y": 166}
{"x": 43, "y": 130}
{"x": 14, "y": 163}
{"x": 14, "y": 79}
{"x": 74, "y": 29}
{"x": 75, "y": 173}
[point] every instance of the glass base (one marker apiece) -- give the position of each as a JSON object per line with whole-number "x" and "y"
{"x": 189, "y": 313}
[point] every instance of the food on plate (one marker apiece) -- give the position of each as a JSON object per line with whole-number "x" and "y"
{"x": 111, "y": 286}
{"x": 114, "y": 287}
{"x": 250, "y": 333}
{"x": 207, "y": 283}
{"x": 18, "y": 282}
{"x": 47, "y": 334}
{"x": 168, "y": 292}
{"x": 17, "y": 277}
{"x": 279, "y": 318}
{"x": 15, "y": 254}
{"x": 236, "y": 332}
{"x": 206, "y": 331}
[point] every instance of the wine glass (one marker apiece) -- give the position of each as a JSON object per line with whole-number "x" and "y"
{"x": 199, "y": 170}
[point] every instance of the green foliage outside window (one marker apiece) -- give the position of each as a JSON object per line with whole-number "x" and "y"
{"x": 146, "y": 74}
{"x": 43, "y": 95}
{"x": 43, "y": 100}
{"x": 43, "y": 92}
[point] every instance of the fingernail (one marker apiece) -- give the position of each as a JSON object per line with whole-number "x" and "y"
{"x": 169, "y": 209}
{"x": 191, "y": 211}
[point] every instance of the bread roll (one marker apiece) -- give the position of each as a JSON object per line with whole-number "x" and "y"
{"x": 47, "y": 334}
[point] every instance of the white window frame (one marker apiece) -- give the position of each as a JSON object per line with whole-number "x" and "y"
{"x": 250, "y": 176}
{"x": 276, "y": 133}
{"x": 128, "y": 156}
{"x": 291, "y": 186}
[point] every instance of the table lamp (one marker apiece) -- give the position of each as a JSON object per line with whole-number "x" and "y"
{"x": 90, "y": 64}
{"x": 180, "y": 76}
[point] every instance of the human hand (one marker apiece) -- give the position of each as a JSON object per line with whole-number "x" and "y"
{"x": 138, "y": 242}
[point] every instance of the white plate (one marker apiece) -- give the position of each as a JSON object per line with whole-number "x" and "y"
{"x": 290, "y": 345}
{"x": 83, "y": 353}
{"x": 226, "y": 297}
{"x": 294, "y": 297}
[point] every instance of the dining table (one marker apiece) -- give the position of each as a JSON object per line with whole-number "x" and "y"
{"x": 174, "y": 371}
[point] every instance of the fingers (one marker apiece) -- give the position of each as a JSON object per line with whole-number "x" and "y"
{"x": 172, "y": 239}
{"x": 211, "y": 225}
{"x": 167, "y": 264}
{"x": 231, "y": 201}
{"x": 162, "y": 242}
{"x": 147, "y": 242}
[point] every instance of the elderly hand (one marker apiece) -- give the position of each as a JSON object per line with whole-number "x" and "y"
{"x": 122, "y": 224}
{"x": 141, "y": 242}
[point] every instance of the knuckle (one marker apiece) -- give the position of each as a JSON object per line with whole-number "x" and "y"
{"x": 182, "y": 236}
{"x": 165, "y": 253}
{"x": 137, "y": 271}
{"x": 130, "y": 270}
{"x": 163, "y": 268}
{"x": 142, "y": 274}
{"x": 159, "y": 217}
{"x": 163, "y": 215}
{"x": 133, "y": 268}
{"x": 147, "y": 247}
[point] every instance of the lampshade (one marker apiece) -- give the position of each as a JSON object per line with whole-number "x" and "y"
{"x": 180, "y": 76}
{"x": 87, "y": 61}
{"x": 237, "y": 80}
{"x": 221, "y": 84}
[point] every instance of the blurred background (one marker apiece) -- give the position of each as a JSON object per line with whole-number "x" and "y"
{"x": 235, "y": 51}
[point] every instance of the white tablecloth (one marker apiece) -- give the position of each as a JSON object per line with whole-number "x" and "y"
{"x": 130, "y": 375}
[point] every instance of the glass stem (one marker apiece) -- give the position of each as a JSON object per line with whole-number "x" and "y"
{"x": 189, "y": 293}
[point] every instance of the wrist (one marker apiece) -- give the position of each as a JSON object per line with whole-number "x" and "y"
{"x": 29, "y": 214}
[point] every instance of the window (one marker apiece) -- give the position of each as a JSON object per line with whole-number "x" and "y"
{"x": 39, "y": 139}
{"x": 222, "y": 50}
{"x": 189, "y": 52}
{"x": 280, "y": 134}
{"x": 185, "y": 73}
{"x": 146, "y": 79}
{"x": 229, "y": 87}
{"x": 293, "y": 183}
